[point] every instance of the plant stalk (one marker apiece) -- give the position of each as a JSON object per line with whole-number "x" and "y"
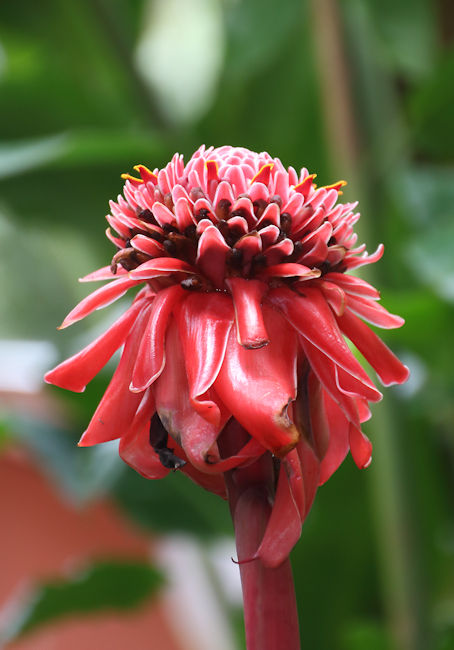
{"x": 270, "y": 612}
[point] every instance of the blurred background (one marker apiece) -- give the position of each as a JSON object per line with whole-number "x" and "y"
{"x": 94, "y": 556}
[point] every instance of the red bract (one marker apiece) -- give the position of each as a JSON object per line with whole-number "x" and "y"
{"x": 240, "y": 320}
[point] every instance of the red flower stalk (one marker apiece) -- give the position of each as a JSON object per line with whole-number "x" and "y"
{"x": 235, "y": 369}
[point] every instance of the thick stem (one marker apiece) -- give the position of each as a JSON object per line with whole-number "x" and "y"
{"x": 270, "y": 613}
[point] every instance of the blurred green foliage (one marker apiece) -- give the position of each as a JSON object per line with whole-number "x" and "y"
{"x": 104, "y": 586}
{"x": 75, "y": 113}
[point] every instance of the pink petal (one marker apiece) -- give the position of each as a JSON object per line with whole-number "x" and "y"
{"x": 247, "y": 298}
{"x": 211, "y": 255}
{"x": 103, "y": 274}
{"x": 159, "y": 267}
{"x": 353, "y": 285}
{"x": 257, "y": 386}
{"x": 100, "y": 298}
{"x": 118, "y": 406}
{"x": 75, "y": 373}
{"x": 385, "y": 363}
{"x": 204, "y": 321}
{"x": 151, "y": 357}
{"x": 290, "y": 270}
{"x": 162, "y": 214}
{"x": 184, "y": 214}
{"x": 148, "y": 246}
{"x": 334, "y": 295}
{"x": 374, "y": 313}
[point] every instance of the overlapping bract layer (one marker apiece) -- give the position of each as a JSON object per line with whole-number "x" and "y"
{"x": 241, "y": 319}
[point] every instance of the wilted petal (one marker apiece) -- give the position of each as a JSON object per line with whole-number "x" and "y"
{"x": 257, "y": 386}
{"x": 193, "y": 432}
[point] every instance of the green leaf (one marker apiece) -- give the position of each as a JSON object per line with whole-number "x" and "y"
{"x": 104, "y": 586}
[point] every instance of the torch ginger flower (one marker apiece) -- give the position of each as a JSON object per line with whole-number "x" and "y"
{"x": 234, "y": 348}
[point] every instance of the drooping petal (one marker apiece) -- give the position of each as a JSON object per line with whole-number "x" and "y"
{"x": 373, "y": 312}
{"x": 311, "y": 316}
{"x": 118, "y": 406}
{"x": 98, "y": 299}
{"x": 247, "y": 298}
{"x": 75, "y": 373}
{"x": 135, "y": 448}
{"x": 204, "y": 321}
{"x": 338, "y": 439}
{"x": 257, "y": 386}
{"x": 360, "y": 446}
{"x": 317, "y": 416}
{"x": 387, "y": 366}
{"x": 325, "y": 370}
{"x": 284, "y": 525}
{"x": 151, "y": 356}
{"x": 353, "y": 285}
{"x": 194, "y": 433}
{"x": 310, "y": 470}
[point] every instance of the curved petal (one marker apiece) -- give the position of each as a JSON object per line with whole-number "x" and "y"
{"x": 353, "y": 285}
{"x": 247, "y": 299}
{"x": 104, "y": 273}
{"x": 338, "y": 439}
{"x": 151, "y": 356}
{"x": 385, "y": 363}
{"x": 310, "y": 470}
{"x": 161, "y": 266}
{"x": 325, "y": 370}
{"x": 135, "y": 448}
{"x": 373, "y": 312}
{"x": 283, "y": 529}
{"x": 118, "y": 406}
{"x": 204, "y": 321}
{"x": 290, "y": 270}
{"x": 194, "y": 433}
{"x": 98, "y": 299}
{"x": 257, "y": 386}
{"x": 211, "y": 255}
{"x": 360, "y": 447}
{"x": 311, "y": 316}
{"x": 75, "y": 373}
